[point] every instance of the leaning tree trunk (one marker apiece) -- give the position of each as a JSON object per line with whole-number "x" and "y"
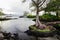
{"x": 38, "y": 23}
{"x": 37, "y": 18}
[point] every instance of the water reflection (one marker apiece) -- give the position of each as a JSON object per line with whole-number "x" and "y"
{"x": 20, "y": 26}
{"x": 13, "y": 26}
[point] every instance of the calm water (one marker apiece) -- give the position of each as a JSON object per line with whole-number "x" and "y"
{"x": 13, "y": 26}
{"x": 19, "y": 26}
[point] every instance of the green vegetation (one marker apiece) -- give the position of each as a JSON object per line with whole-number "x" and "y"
{"x": 48, "y": 18}
{"x": 1, "y": 12}
{"x": 34, "y": 28}
{"x": 31, "y": 16}
{"x": 37, "y": 4}
{"x": 39, "y": 27}
{"x": 53, "y": 5}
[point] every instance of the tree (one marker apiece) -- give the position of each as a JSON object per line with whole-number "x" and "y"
{"x": 1, "y": 11}
{"x": 37, "y": 4}
{"x": 53, "y": 5}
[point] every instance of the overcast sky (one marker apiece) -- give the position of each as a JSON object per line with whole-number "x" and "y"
{"x": 14, "y": 6}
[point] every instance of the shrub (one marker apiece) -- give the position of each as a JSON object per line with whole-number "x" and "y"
{"x": 31, "y": 16}
{"x": 48, "y": 18}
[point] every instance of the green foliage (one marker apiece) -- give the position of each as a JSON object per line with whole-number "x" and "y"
{"x": 34, "y": 28}
{"x": 48, "y": 18}
{"x": 1, "y": 13}
{"x": 54, "y": 5}
{"x": 31, "y": 16}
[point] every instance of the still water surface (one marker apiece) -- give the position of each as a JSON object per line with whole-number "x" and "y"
{"x": 13, "y": 26}
{"x": 19, "y": 26}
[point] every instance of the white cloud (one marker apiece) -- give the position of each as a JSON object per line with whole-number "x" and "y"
{"x": 13, "y": 6}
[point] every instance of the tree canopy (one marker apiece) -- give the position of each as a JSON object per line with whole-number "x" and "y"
{"x": 53, "y": 5}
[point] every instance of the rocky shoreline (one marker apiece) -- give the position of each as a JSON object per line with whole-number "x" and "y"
{"x": 8, "y": 36}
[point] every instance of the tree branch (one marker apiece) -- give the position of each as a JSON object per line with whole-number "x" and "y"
{"x": 39, "y": 2}
{"x": 34, "y": 2}
{"x": 42, "y": 3}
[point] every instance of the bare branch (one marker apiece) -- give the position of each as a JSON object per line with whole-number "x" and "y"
{"x": 39, "y": 2}
{"x": 42, "y": 3}
{"x": 41, "y": 10}
{"x": 34, "y": 2}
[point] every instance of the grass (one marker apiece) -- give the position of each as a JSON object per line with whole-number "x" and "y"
{"x": 34, "y": 28}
